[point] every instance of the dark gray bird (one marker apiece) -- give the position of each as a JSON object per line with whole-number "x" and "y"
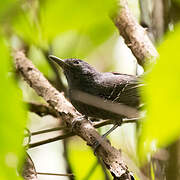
{"x": 107, "y": 88}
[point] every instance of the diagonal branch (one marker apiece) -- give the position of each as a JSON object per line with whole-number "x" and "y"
{"x": 81, "y": 126}
{"x": 135, "y": 36}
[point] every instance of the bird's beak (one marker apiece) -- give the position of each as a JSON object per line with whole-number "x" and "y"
{"x": 59, "y": 61}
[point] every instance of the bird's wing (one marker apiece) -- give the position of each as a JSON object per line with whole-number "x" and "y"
{"x": 122, "y": 88}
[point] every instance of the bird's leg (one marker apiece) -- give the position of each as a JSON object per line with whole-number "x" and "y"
{"x": 116, "y": 125}
{"x": 111, "y": 130}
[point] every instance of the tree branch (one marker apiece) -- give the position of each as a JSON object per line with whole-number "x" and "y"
{"x": 82, "y": 127}
{"x": 29, "y": 171}
{"x": 135, "y": 36}
{"x": 41, "y": 109}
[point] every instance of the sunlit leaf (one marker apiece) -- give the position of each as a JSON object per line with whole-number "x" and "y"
{"x": 40, "y": 23}
{"x": 162, "y": 95}
{"x": 5, "y": 5}
{"x": 72, "y": 14}
{"x": 40, "y": 61}
{"x": 12, "y": 120}
{"x": 81, "y": 43}
{"x": 80, "y": 154}
{"x": 26, "y": 24}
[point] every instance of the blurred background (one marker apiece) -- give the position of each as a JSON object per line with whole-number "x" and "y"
{"x": 84, "y": 29}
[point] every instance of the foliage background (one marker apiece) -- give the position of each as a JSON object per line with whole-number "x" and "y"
{"x": 83, "y": 29}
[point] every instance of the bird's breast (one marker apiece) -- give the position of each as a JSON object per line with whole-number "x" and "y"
{"x": 91, "y": 105}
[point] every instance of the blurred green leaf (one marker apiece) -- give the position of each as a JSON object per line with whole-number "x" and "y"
{"x": 6, "y": 5}
{"x": 60, "y": 16}
{"x": 82, "y": 160}
{"x": 13, "y": 120}
{"x": 40, "y": 23}
{"x": 162, "y": 95}
{"x": 81, "y": 43}
{"x": 177, "y": 1}
{"x": 26, "y": 24}
{"x": 40, "y": 61}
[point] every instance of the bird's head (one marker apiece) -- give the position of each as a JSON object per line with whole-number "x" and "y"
{"x": 75, "y": 70}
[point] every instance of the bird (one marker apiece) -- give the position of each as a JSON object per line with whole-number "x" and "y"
{"x": 95, "y": 94}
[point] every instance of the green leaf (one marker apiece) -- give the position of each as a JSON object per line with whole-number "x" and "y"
{"x": 12, "y": 119}
{"x": 162, "y": 95}
{"x": 176, "y": 1}
{"x": 40, "y": 61}
{"x": 6, "y": 5}
{"x": 41, "y": 23}
{"x": 60, "y": 16}
{"x": 83, "y": 161}
{"x": 26, "y": 24}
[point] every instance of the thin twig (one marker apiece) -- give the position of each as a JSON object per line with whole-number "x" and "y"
{"x": 47, "y": 131}
{"x": 51, "y": 140}
{"x": 57, "y": 138}
{"x": 54, "y": 174}
{"x": 99, "y": 124}
{"x": 109, "y": 121}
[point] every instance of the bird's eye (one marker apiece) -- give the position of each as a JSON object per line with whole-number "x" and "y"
{"x": 76, "y": 62}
